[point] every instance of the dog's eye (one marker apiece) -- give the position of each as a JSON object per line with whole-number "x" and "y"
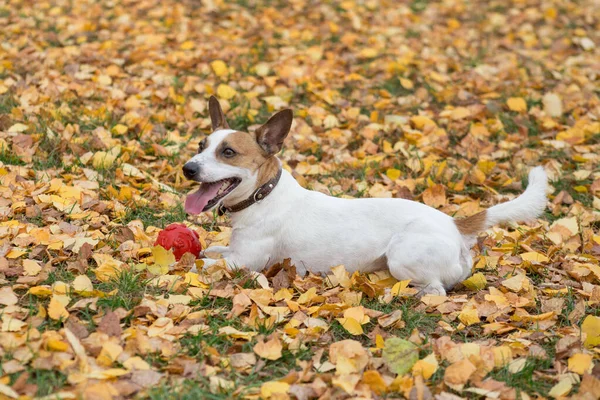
{"x": 201, "y": 146}
{"x": 228, "y": 152}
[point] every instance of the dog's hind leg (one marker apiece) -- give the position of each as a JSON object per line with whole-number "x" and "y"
{"x": 430, "y": 261}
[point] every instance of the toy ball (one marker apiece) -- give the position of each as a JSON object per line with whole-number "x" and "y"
{"x": 180, "y": 239}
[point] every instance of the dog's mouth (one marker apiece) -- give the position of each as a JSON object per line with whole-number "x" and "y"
{"x": 209, "y": 195}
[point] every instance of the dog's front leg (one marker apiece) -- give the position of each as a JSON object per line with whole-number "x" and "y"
{"x": 222, "y": 250}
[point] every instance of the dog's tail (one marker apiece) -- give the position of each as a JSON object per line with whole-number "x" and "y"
{"x": 526, "y": 207}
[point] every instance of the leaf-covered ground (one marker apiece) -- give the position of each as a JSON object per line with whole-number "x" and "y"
{"x": 449, "y": 103}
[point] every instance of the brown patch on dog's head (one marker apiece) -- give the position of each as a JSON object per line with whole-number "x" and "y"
{"x": 255, "y": 152}
{"x": 472, "y": 225}
{"x": 271, "y": 135}
{"x": 240, "y": 149}
{"x": 217, "y": 116}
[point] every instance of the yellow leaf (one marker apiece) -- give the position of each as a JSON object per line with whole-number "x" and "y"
{"x": 268, "y": 389}
{"x": 56, "y": 310}
{"x": 307, "y": 296}
{"x": 419, "y": 121}
{"x": 31, "y": 267}
{"x": 406, "y": 83}
{"x": 40, "y": 291}
{"x": 234, "y": 333}
{"x": 10, "y": 324}
{"x": 8, "y": 392}
{"x": 517, "y": 104}
{"x": 591, "y": 327}
{"x": 103, "y": 160}
{"x": 15, "y": 253}
{"x": 469, "y": 316}
{"x": 486, "y": 166}
{"x": 400, "y": 355}
{"x": 358, "y": 313}
{"x": 82, "y": 284}
{"x": 8, "y": 296}
{"x": 109, "y": 353}
{"x": 516, "y": 283}
{"x": 393, "y": 173}
{"x": 348, "y": 356}
{"x": 476, "y": 282}
{"x": 225, "y": 91}
{"x": 534, "y": 256}
{"x": 460, "y": 113}
{"x": 187, "y": 45}
{"x": 270, "y": 350}
{"x": 57, "y": 345}
{"x": 18, "y": 128}
{"x": 458, "y": 374}
{"x": 108, "y": 373}
{"x": 351, "y": 325}
{"x": 401, "y": 288}
{"x": 108, "y": 267}
{"x": 119, "y": 129}
{"x": 435, "y": 196}
{"x": 219, "y": 68}
{"x": 340, "y": 277}
{"x": 375, "y": 381}
{"x": 562, "y": 388}
{"x": 368, "y": 52}
{"x": 136, "y": 363}
{"x": 387, "y": 147}
{"x": 502, "y": 356}
{"x": 580, "y": 363}
{"x": 426, "y": 367}
{"x": 163, "y": 259}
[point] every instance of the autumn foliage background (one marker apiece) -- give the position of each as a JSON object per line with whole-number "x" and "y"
{"x": 445, "y": 102}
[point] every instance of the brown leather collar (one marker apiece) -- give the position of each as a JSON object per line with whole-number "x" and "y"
{"x": 259, "y": 194}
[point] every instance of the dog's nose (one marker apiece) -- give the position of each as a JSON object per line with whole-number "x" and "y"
{"x": 190, "y": 170}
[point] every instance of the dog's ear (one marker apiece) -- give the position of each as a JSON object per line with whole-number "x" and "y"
{"x": 271, "y": 135}
{"x": 216, "y": 114}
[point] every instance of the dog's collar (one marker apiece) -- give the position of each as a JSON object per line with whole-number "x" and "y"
{"x": 259, "y": 194}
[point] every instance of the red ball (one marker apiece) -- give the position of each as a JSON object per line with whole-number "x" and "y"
{"x": 180, "y": 239}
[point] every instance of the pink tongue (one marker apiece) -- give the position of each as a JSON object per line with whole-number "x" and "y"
{"x": 195, "y": 202}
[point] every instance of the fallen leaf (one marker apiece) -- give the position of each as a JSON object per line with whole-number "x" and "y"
{"x": 400, "y": 355}
{"x": 270, "y": 350}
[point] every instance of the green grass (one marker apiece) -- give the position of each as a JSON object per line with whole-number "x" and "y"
{"x": 47, "y": 381}
{"x": 131, "y": 288}
{"x": 393, "y": 87}
{"x": 60, "y": 273}
{"x": 154, "y": 216}
{"x": 525, "y": 380}
{"x": 568, "y": 185}
{"x": 7, "y": 157}
{"x": 187, "y": 390}
{"x": 510, "y": 126}
{"x": 7, "y": 103}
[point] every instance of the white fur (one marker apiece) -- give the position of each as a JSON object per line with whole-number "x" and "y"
{"x": 211, "y": 170}
{"x": 317, "y": 231}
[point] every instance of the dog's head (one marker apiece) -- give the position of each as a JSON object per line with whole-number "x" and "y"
{"x": 231, "y": 165}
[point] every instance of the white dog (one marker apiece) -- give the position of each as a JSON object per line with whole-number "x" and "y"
{"x": 274, "y": 218}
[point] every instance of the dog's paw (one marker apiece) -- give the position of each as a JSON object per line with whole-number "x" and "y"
{"x": 433, "y": 288}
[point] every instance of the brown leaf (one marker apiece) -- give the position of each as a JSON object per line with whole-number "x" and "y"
{"x": 78, "y": 329}
{"x": 124, "y": 234}
{"x": 85, "y": 252}
{"x": 578, "y": 312}
{"x": 110, "y": 324}
{"x": 146, "y": 378}
{"x": 281, "y": 280}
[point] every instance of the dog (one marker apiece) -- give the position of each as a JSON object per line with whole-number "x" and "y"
{"x": 274, "y": 218}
